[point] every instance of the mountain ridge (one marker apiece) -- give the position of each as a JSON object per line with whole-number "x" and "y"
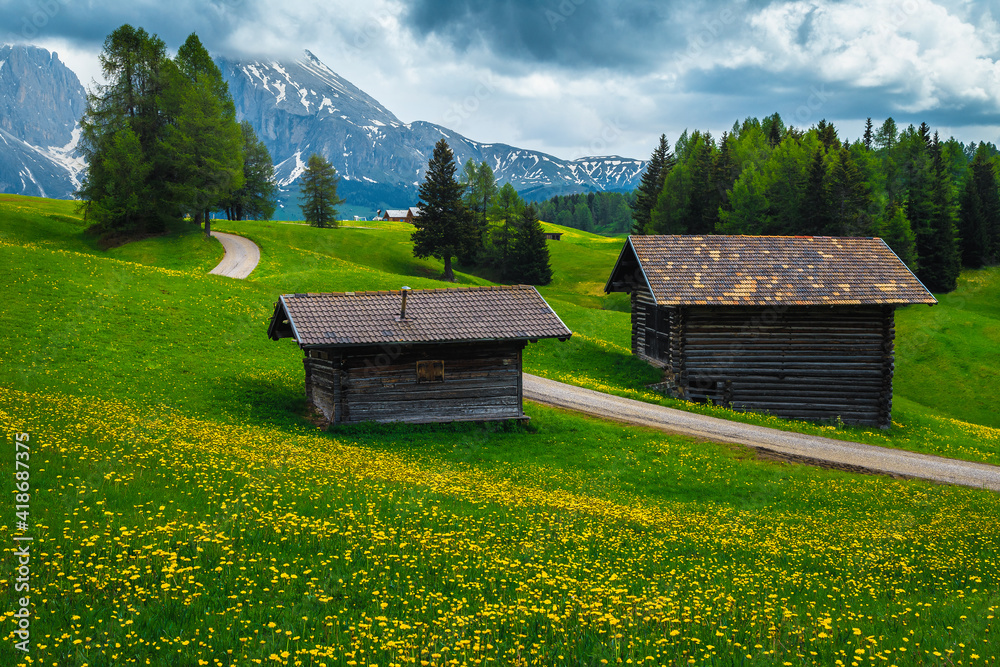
{"x": 297, "y": 107}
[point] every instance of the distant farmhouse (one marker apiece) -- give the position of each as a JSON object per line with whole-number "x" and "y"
{"x": 798, "y": 327}
{"x": 399, "y": 215}
{"x": 416, "y": 355}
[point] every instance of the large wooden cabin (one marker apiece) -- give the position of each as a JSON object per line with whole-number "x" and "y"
{"x": 798, "y": 327}
{"x": 416, "y": 355}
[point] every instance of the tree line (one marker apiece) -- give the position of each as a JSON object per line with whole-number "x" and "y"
{"x": 470, "y": 218}
{"x": 599, "y": 212}
{"x": 935, "y": 203}
{"x": 162, "y": 142}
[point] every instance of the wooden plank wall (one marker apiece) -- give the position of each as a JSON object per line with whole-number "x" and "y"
{"x": 797, "y": 362}
{"x": 643, "y": 307}
{"x": 481, "y": 382}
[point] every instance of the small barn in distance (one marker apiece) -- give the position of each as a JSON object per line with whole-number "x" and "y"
{"x": 416, "y": 355}
{"x": 552, "y": 236}
{"x": 398, "y": 215}
{"x": 799, "y": 327}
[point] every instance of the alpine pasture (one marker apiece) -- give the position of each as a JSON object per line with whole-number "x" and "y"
{"x": 184, "y": 511}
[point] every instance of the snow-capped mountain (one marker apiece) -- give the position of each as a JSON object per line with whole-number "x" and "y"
{"x": 297, "y": 108}
{"x": 41, "y": 101}
{"x": 304, "y": 107}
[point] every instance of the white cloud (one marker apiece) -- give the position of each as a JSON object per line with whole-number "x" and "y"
{"x": 927, "y": 57}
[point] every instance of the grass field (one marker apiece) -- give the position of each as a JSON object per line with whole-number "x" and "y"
{"x": 185, "y": 513}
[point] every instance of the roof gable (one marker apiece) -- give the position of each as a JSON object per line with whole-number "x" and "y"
{"x": 468, "y": 314}
{"x": 766, "y": 270}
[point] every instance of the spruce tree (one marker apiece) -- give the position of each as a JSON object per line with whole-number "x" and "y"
{"x": 659, "y": 165}
{"x": 480, "y": 188}
{"x": 869, "y": 134}
{"x": 816, "y": 213}
{"x": 132, "y": 62}
{"x": 979, "y": 217}
{"x": 202, "y": 150}
{"x": 444, "y": 228}
{"x": 972, "y": 226}
{"x": 318, "y": 192}
{"x": 937, "y": 245}
{"x": 257, "y": 199}
{"x": 895, "y": 230}
{"x": 530, "y": 255}
{"x": 505, "y": 211}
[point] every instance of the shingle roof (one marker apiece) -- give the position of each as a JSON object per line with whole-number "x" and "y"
{"x": 516, "y": 312}
{"x": 765, "y": 270}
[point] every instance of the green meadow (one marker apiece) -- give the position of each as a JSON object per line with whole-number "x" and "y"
{"x": 184, "y": 512}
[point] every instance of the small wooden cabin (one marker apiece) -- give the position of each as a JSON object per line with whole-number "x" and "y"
{"x": 798, "y": 327}
{"x": 553, "y": 236}
{"x": 399, "y": 215}
{"x": 416, "y": 355}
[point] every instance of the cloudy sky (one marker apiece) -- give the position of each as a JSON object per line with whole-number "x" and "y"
{"x": 593, "y": 77}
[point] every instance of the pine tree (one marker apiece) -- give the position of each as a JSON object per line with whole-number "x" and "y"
{"x": 505, "y": 212}
{"x": 972, "y": 226}
{"x": 257, "y": 199}
{"x": 318, "y": 192}
{"x": 659, "y": 165}
{"x": 480, "y": 189}
{"x": 530, "y": 255}
{"x": 937, "y": 245}
{"x": 979, "y": 217}
{"x": 202, "y": 150}
{"x": 444, "y": 228}
{"x": 816, "y": 214}
{"x": 132, "y": 63}
{"x": 774, "y": 129}
{"x": 869, "y": 135}
{"x": 895, "y": 230}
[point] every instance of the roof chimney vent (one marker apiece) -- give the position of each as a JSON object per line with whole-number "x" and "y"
{"x": 402, "y": 310}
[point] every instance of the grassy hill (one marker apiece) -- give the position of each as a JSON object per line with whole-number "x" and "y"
{"x": 185, "y": 513}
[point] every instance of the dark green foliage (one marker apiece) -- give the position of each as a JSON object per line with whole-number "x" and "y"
{"x": 659, "y": 165}
{"x": 132, "y": 62}
{"x": 895, "y": 230}
{"x": 505, "y": 214}
{"x": 816, "y": 211}
{"x": 609, "y": 212}
{"x": 202, "y": 150}
{"x": 257, "y": 199}
{"x": 979, "y": 217}
{"x": 160, "y": 138}
{"x": 764, "y": 178}
{"x": 318, "y": 192}
{"x": 689, "y": 202}
{"x": 445, "y": 228}
{"x": 480, "y": 189}
{"x": 530, "y": 256}
{"x": 774, "y": 129}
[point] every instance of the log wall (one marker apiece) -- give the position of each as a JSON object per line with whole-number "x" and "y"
{"x": 799, "y": 362}
{"x": 480, "y": 382}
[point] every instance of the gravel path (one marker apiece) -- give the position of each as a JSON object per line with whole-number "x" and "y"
{"x": 773, "y": 443}
{"x": 241, "y": 256}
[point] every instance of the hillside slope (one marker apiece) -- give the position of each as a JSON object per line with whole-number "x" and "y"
{"x": 183, "y": 510}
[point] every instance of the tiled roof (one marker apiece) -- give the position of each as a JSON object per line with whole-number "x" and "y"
{"x": 765, "y": 270}
{"x": 516, "y": 312}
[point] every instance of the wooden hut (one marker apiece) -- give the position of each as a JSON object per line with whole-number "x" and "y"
{"x": 416, "y": 355}
{"x": 798, "y": 327}
{"x": 552, "y": 236}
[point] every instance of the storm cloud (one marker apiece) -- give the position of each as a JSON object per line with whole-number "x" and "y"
{"x": 573, "y": 77}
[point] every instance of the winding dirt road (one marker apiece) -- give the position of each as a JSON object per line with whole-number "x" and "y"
{"x": 241, "y": 258}
{"x": 780, "y": 444}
